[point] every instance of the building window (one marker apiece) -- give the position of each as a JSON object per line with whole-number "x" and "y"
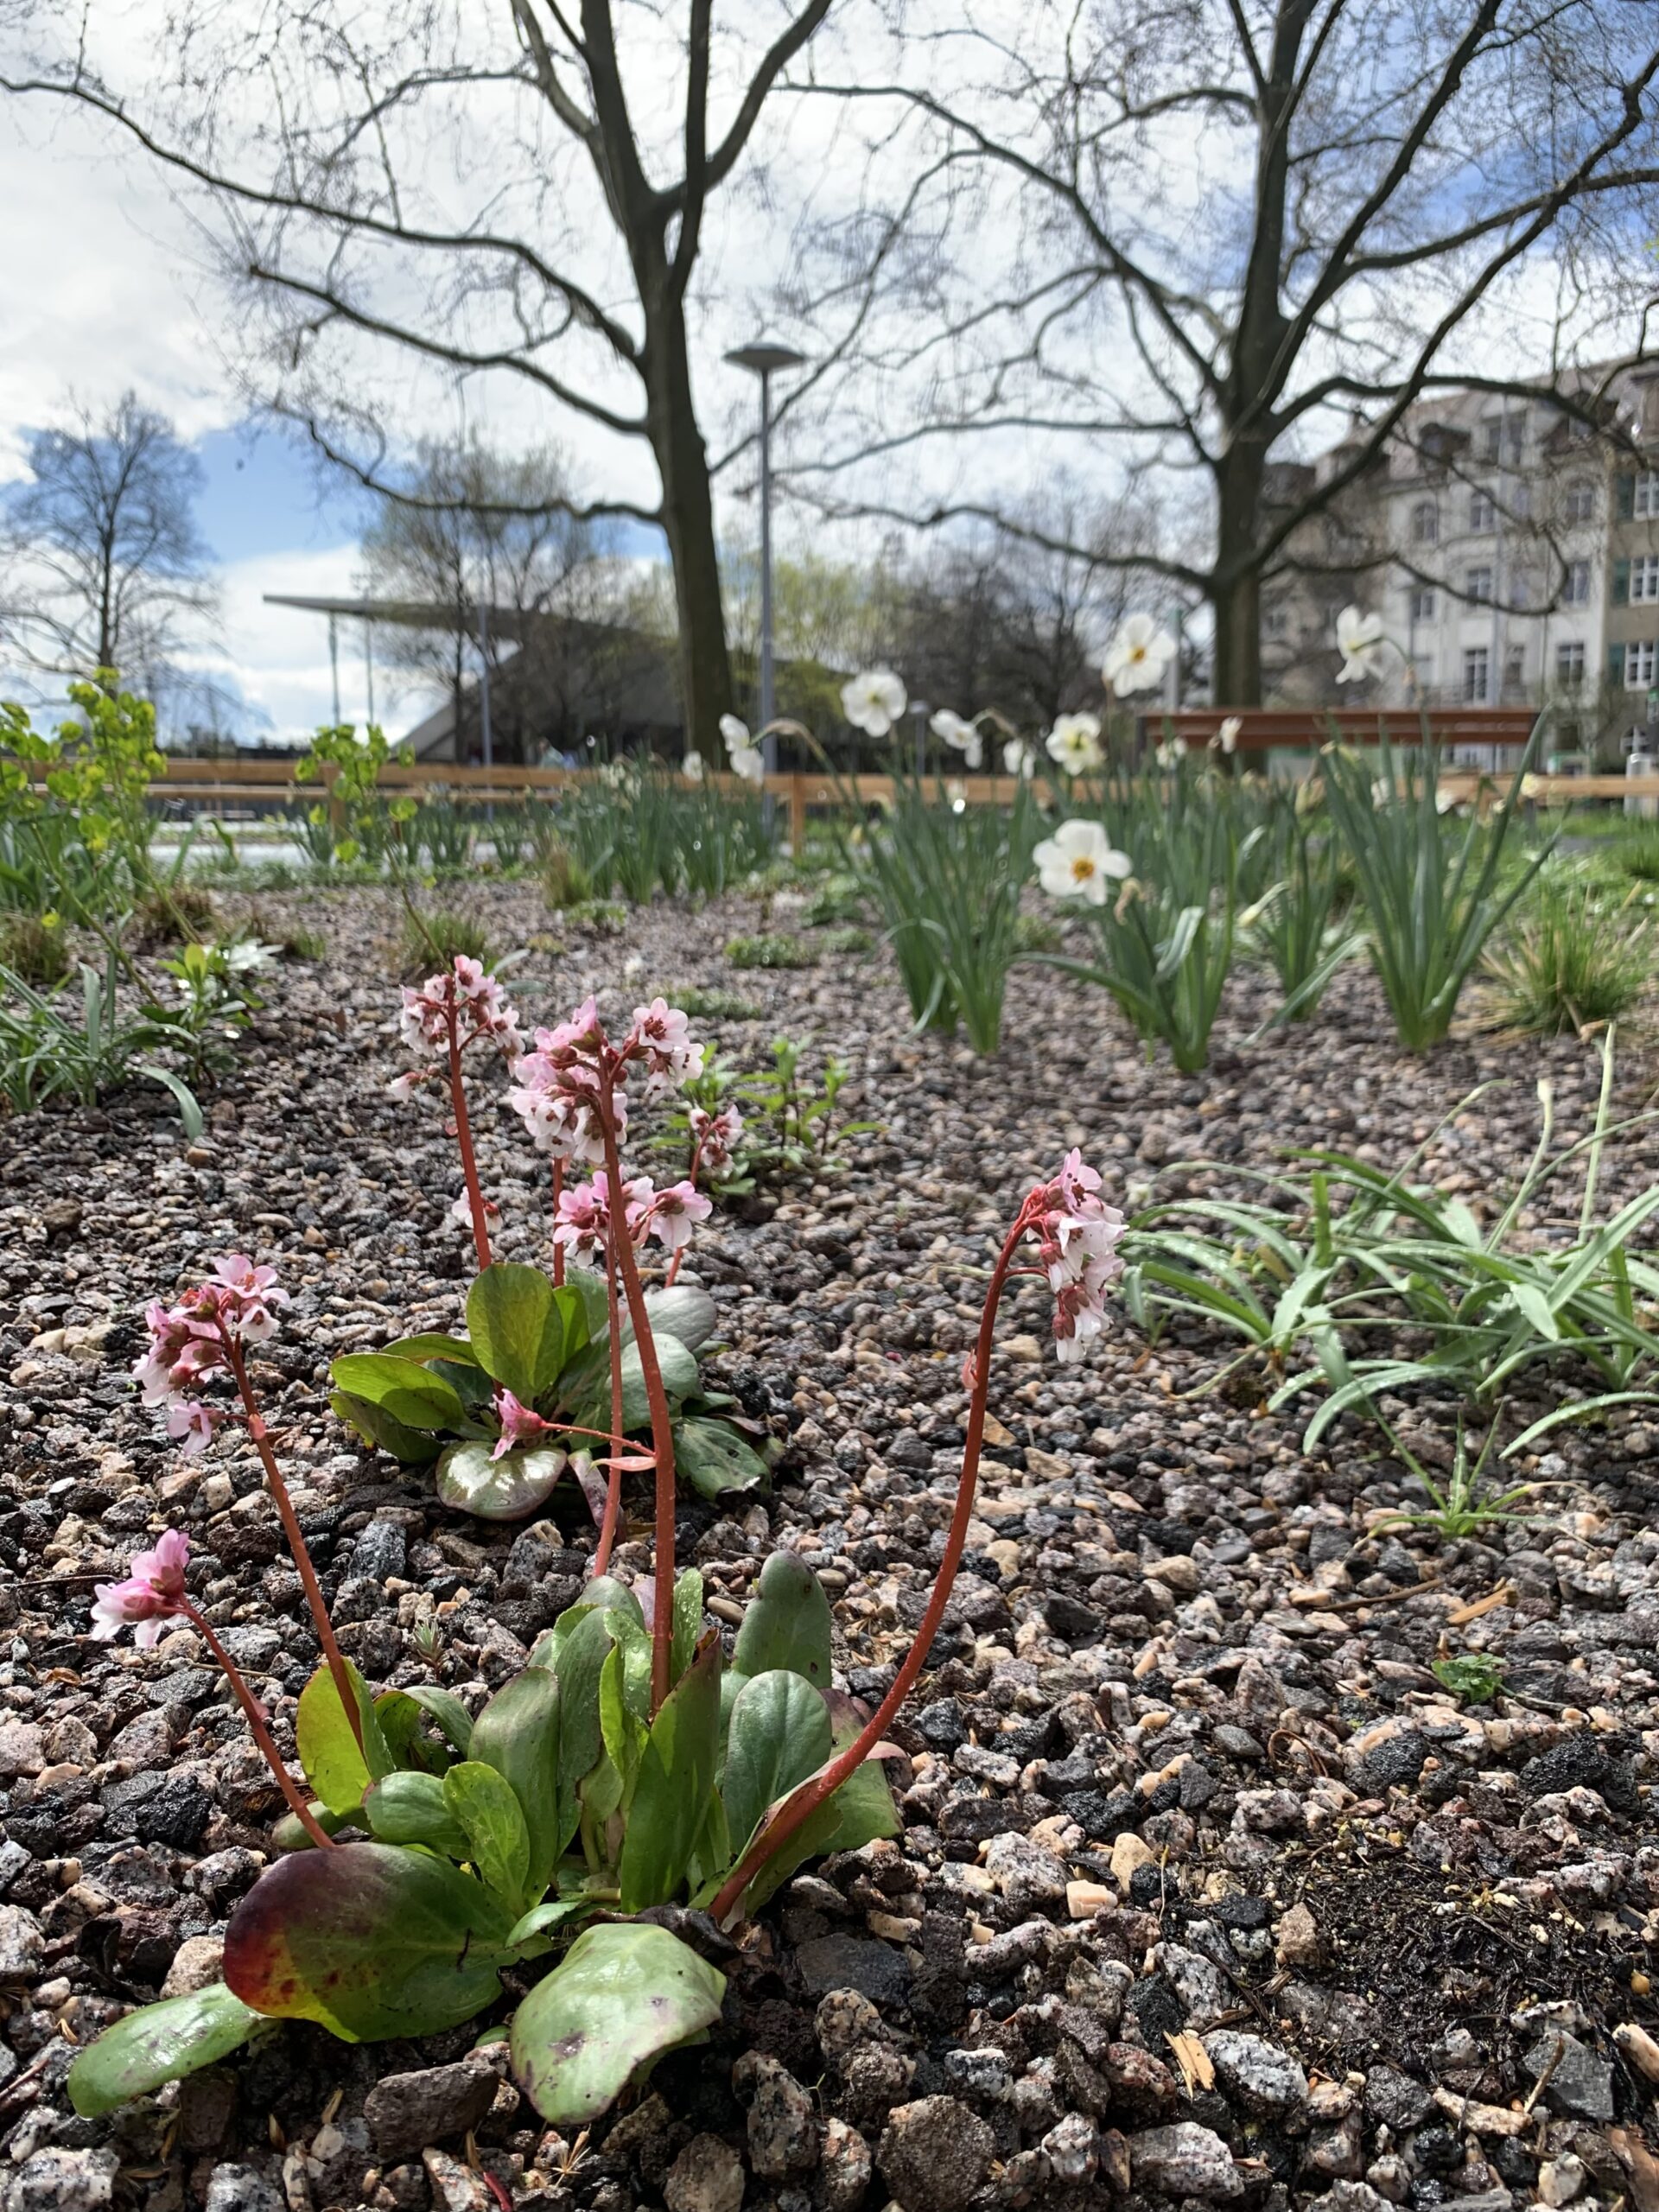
{"x": 1639, "y": 660}
{"x": 1422, "y": 604}
{"x": 1422, "y": 668}
{"x": 1644, "y": 577}
{"x": 1475, "y": 661}
{"x": 1515, "y": 667}
{"x": 1569, "y": 665}
{"x": 1644, "y": 495}
{"x": 1477, "y": 586}
{"x": 1579, "y": 501}
{"x": 1575, "y": 584}
{"x": 1482, "y": 512}
{"x": 1425, "y": 522}
{"x": 1275, "y": 622}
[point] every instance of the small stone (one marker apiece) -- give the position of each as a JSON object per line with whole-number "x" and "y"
{"x": 844, "y": 2021}
{"x": 1562, "y": 2179}
{"x": 1084, "y": 1899}
{"x": 1073, "y": 2149}
{"x": 198, "y": 1961}
{"x": 55, "y": 2180}
{"x": 406, "y": 2112}
{"x": 1639, "y": 2047}
{"x": 22, "y": 1749}
{"x": 1127, "y": 1852}
{"x": 1395, "y": 2099}
{"x": 21, "y": 1944}
{"x": 1179, "y": 1574}
{"x": 1582, "y": 2081}
{"x": 1299, "y": 1943}
{"x": 1336, "y": 2153}
{"x": 829, "y": 1962}
{"x": 242, "y": 2189}
{"x": 1202, "y": 1995}
{"x": 456, "y": 2188}
{"x": 933, "y": 2154}
{"x": 844, "y": 2167}
{"x": 783, "y": 2130}
{"x": 1264, "y": 2079}
{"x": 1031, "y": 1879}
{"x": 1183, "y": 2160}
{"x": 707, "y": 2176}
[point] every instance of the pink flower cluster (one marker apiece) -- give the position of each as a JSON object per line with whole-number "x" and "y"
{"x": 476, "y": 1004}
{"x": 521, "y": 1425}
{"x": 582, "y": 1222}
{"x": 152, "y": 1594}
{"x": 715, "y": 1136}
{"x": 190, "y": 1340}
{"x": 1076, "y": 1234}
{"x": 562, "y": 1082}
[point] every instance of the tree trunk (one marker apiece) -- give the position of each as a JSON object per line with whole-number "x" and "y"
{"x": 705, "y": 668}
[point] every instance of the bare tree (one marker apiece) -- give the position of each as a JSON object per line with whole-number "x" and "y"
{"x": 107, "y": 564}
{"x": 1192, "y": 236}
{"x": 473, "y": 186}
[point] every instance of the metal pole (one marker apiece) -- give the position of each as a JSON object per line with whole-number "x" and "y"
{"x": 1173, "y": 673}
{"x": 334, "y": 661}
{"x": 769, "y": 743}
{"x": 486, "y": 735}
{"x": 368, "y": 662}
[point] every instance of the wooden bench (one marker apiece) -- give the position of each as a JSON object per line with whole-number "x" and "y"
{"x": 1265, "y": 729}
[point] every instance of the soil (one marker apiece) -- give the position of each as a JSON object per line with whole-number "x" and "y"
{"x": 1209, "y": 1890}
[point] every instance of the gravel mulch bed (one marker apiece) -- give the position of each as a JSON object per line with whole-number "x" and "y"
{"x": 1209, "y": 1892}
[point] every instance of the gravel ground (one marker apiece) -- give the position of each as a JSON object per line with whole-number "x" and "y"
{"x": 1208, "y": 1893}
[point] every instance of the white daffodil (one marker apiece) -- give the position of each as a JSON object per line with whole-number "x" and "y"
{"x": 873, "y": 700}
{"x": 1362, "y": 645}
{"x": 749, "y": 762}
{"x": 961, "y": 737}
{"x": 691, "y": 767}
{"x": 734, "y": 730}
{"x": 1078, "y": 862}
{"x": 1138, "y": 655}
{"x": 1170, "y": 754}
{"x": 1226, "y": 738}
{"x": 957, "y": 791}
{"x": 1074, "y": 742}
{"x": 1019, "y": 758}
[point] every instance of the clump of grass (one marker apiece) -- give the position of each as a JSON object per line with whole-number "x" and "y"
{"x": 609, "y": 917}
{"x": 435, "y": 941}
{"x": 566, "y": 882}
{"x": 1036, "y": 933}
{"x": 1465, "y": 1506}
{"x": 1638, "y": 851}
{"x": 1572, "y": 964}
{"x": 850, "y": 939}
{"x": 707, "y": 1002}
{"x": 303, "y": 944}
{"x": 32, "y": 946}
{"x": 777, "y": 948}
{"x": 180, "y": 914}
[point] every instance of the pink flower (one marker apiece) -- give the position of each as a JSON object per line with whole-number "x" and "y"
{"x": 715, "y": 1136}
{"x": 191, "y": 1339}
{"x": 558, "y": 1102}
{"x": 152, "y": 1594}
{"x": 1076, "y": 1235}
{"x": 584, "y": 1215}
{"x": 659, "y": 1031}
{"x": 461, "y": 1212}
{"x": 196, "y": 1423}
{"x": 675, "y": 1211}
{"x": 520, "y": 1425}
{"x": 245, "y": 1295}
{"x": 476, "y": 1004}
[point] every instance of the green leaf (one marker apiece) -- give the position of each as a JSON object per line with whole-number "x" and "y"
{"x": 686, "y": 1310}
{"x": 159, "y": 2043}
{"x": 779, "y": 1734}
{"x": 859, "y": 1812}
{"x": 410, "y": 1393}
{"x": 585, "y": 1386}
{"x": 712, "y": 1458}
{"x": 688, "y": 1621}
{"x": 434, "y": 1345}
{"x": 577, "y": 1663}
{"x": 472, "y": 1481}
{"x": 518, "y": 1734}
{"x": 485, "y": 1805}
{"x": 621, "y": 1996}
{"x": 376, "y": 1427}
{"x": 517, "y": 1327}
{"x": 369, "y": 1940}
{"x": 335, "y": 1768}
{"x": 446, "y": 1710}
{"x": 408, "y": 1808}
{"x": 622, "y": 1730}
{"x": 552, "y": 1914}
{"x": 401, "y": 1717}
{"x": 670, "y": 1796}
{"x": 787, "y": 1624}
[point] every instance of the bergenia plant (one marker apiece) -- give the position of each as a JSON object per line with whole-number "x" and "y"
{"x": 631, "y": 1765}
{"x": 554, "y": 1365}
{"x": 442, "y": 1021}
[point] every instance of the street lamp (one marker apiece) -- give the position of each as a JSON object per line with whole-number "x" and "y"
{"x": 765, "y": 357}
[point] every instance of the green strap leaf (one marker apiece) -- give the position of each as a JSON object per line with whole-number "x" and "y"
{"x": 518, "y": 1734}
{"x": 159, "y": 2043}
{"x": 412, "y": 1394}
{"x": 517, "y": 1325}
{"x": 335, "y": 1768}
{"x": 485, "y": 1805}
{"x": 787, "y": 1624}
{"x": 779, "y": 1734}
{"x": 621, "y": 1996}
{"x": 670, "y": 1795}
{"x": 412, "y": 1809}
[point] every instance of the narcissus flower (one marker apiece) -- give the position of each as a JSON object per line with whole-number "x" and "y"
{"x": 152, "y": 1594}
{"x": 745, "y": 758}
{"x": 1226, "y": 738}
{"x": 961, "y": 736}
{"x": 1080, "y": 862}
{"x": 873, "y": 700}
{"x": 1362, "y": 644}
{"x": 1019, "y": 758}
{"x": 1074, "y": 742}
{"x": 1138, "y": 655}
{"x": 691, "y": 767}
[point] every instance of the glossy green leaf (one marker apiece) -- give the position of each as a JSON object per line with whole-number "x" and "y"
{"x": 577, "y": 1665}
{"x": 621, "y": 1996}
{"x": 685, "y": 1311}
{"x": 787, "y": 1624}
{"x": 290, "y": 1832}
{"x": 778, "y": 1734}
{"x": 517, "y": 1325}
{"x": 688, "y": 1621}
{"x": 434, "y": 1345}
{"x": 555, "y": 1912}
{"x": 403, "y": 1720}
{"x": 410, "y": 1393}
{"x": 676, "y": 1776}
{"x": 334, "y": 1766}
{"x": 621, "y": 1728}
{"x": 712, "y": 1458}
{"x": 370, "y": 1940}
{"x": 506, "y": 1489}
{"x": 484, "y": 1804}
{"x": 518, "y": 1734}
{"x": 586, "y": 1384}
{"x": 447, "y": 1709}
{"x": 159, "y": 2043}
{"x": 860, "y": 1811}
{"x": 409, "y": 1446}
{"x": 412, "y": 1809}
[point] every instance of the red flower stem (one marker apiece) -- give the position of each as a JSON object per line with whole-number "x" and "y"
{"x": 804, "y": 1802}
{"x": 296, "y": 1543}
{"x": 256, "y": 1720}
{"x": 674, "y": 1264}
{"x": 558, "y": 1250}
{"x": 662, "y": 1433}
{"x": 614, "y": 1487}
{"x": 464, "y": 1132}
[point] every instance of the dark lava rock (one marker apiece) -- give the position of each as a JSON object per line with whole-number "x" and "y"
{"x": 1070, "y": 1620}
{"x": 1157, "y": 2010}
{"x": 877, "y": 1970}
{"x": 934, "y": 2153}
{"x": 382, "y": 1549}
{"x": 406, "y": 2112}
{"x": 1104, "y": 1813}
{"x": 1581, "y": 2083}
{"x": 1395, "y": 2099}
{"x": 177, "y": 1814}
{"x": 941, "y": 1727}
{"x": 1397, "y": 1759}
{"x": 1242, "y": 1913}
{"x": 1579, "y": 1762}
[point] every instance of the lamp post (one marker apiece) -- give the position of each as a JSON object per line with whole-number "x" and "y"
{"x": 765, "y": 357}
